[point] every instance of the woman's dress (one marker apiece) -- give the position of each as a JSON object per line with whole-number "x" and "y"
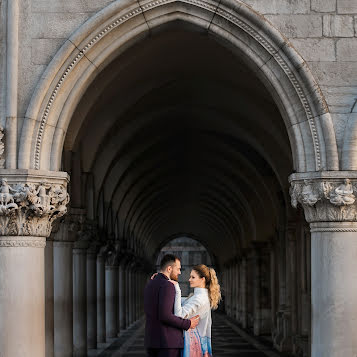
{"x": 197, "y": 342}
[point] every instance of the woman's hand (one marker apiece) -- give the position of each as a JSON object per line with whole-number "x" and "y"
{"x": 173, "y": 282}
{"x": 153, "y": 276}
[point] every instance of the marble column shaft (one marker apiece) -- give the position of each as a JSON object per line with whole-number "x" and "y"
{"x": 91, "y": 299}
{"x": 63, "y": 298}
{"x": 80, "y": 302}
{"x": 22, "y": 296}
{"x": 122, "y": 300}
{"x": 49, "y": 299}
{"x": 111, "y": 304}
{"x": 101, "y": 299}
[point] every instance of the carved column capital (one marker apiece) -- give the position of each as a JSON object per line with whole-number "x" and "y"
{"x": 30, "y": 201}
{"x": 325, "y": 196}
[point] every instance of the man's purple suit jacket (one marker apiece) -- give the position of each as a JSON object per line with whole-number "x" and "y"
{"x": 163, "y": 329}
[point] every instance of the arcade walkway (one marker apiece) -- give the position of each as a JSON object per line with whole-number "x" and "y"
{"x": 229, "y": 340}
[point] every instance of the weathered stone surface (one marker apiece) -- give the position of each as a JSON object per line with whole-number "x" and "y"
{"x": 43, "y": 49}
{"x": 338, "y": 26}
{"x": 68, "y": 6}
{"x": 315, "y": 49}
{"x": 335, "y": 73}
{"x": 346, "y": 49}
{"x": 297, "y": 25}
{"x": 56, "y": 24}
{"x": 280, "y": 6}
{"x": 347, "y": 7}
{"x": 323, "y": 5}
{"x": 340, "y": 99}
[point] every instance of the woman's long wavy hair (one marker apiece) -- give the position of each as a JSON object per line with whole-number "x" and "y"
{"x": 214, "y": 289}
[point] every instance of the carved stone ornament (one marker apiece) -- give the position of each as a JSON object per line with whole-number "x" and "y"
{"x": 325, "y": 199}
{"x": 30, "y": 208}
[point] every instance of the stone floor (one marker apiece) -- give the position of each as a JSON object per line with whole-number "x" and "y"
{"x": 228, "y": 340}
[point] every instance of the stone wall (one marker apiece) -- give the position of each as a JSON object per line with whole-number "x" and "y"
{"x": 323, "y": 31}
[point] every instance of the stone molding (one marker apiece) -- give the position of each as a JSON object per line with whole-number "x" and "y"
{"x": 237, "y": 13}
{"x": 326, "y": 196}
{"x": 333, "y": 227}
{"x": 30, "y": 203}
{"x": 25, "y": 241}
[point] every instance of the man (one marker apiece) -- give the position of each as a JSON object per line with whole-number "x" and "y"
{"x": 164, "y": 330}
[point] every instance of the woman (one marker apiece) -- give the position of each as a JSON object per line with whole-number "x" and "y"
{"x": 206, "y": 296}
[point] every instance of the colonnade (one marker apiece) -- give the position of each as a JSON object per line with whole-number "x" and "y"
{"x": 268, "y": 290}
{"x": 93, "y": 291}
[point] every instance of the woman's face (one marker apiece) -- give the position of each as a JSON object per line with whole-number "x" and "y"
{"x": 196, "y": 281}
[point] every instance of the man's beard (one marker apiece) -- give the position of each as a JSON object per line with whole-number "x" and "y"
{"x": 174, "y": 277}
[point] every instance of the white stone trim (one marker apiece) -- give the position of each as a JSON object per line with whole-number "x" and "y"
{"x": 22, "y": 241}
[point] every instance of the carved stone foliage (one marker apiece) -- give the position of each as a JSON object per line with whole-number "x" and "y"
{"x": 326, "y": 199}
{"x": 29, "y": 209}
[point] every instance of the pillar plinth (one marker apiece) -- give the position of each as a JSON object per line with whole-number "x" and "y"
{"x": 329, "y": 202}
{"x": 29, "y": 203}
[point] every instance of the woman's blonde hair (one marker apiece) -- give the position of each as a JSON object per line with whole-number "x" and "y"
{"x": 214, "y": 289}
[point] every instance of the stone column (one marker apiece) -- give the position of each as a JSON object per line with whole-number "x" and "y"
{"x": 329, "y": 202}
{"x": 92, "y": 296}
{"x": 127, "y": 296}
{"x": 63, "y": 298}
{"x": 80, "y": 299}
{"x": 63, "y": 287}
{"x": 49, "y": 299}
{"x": 122, "y": 301}
{"x": 130, "y": 298}
{"x": 111, "y": 296}
{"x": 101, "y": 297}
{"x": 28, "y": 208}
{"x": 261, "y": 291}
{"x": 243, "y": 293}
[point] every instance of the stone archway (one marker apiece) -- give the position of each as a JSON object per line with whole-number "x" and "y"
{"x": 317, "y": 184}
{"x": 118, "y": 26}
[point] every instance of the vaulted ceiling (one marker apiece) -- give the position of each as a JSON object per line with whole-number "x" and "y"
{"x": 178, "y": 135}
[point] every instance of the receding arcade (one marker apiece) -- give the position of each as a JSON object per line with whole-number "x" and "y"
{"x": 175, "y": 118}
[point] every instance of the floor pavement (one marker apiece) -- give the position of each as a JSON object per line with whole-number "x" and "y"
{"x": 227, "y": 340}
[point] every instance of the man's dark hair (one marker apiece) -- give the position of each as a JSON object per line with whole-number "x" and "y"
{"x": 167, "y": 259}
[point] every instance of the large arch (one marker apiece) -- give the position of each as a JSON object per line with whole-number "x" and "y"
{"x": 96, "y": 43}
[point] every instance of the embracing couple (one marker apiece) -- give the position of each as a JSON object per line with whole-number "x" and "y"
{"x": 175, "y": 326}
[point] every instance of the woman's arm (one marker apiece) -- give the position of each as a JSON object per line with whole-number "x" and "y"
{"x": 190, "y": 307}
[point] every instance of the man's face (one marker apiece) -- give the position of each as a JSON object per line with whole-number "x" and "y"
{"x": 176, "y": 270}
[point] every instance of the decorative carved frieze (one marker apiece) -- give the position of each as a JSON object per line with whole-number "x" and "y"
{"x": 325, "y": 199}
{"x": 29, "y": 208}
